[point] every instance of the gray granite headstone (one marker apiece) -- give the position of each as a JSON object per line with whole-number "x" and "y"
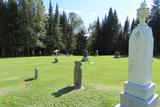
{"x": 117, "y": 54}
{"x": 85, "y": 55}
{"x": 96, "y": 54}
{"x": 78, "y": 75}
{"x": 36, "y": 73}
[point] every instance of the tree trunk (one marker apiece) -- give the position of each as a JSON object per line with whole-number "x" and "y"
{"x": 28, "y": 52}
{"x": 12, "y": 49}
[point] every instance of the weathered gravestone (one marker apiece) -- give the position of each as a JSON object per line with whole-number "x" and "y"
{"x": 117, "y": 54}
{"x": 36, "y": 73}
{"x": 56, "y": 60}
{"x": 85, "y": 55}
{"x": 78, "y": 75}
{"x": 139, "y": 91}
{"x": 96, "y": 53}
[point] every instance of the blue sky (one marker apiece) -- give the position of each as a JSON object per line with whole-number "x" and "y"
{"x": 90, "y": 9}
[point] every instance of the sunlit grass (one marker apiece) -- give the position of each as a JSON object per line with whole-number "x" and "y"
{"x": 103, "y": 79}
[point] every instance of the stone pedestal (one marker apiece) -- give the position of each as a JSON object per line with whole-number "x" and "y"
{"x": 135, "y": 95}
{"x": 139, "y": 91}
{"x": 78, "y": 75}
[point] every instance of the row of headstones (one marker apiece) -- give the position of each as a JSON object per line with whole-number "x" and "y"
{"x": 85, "y": 56}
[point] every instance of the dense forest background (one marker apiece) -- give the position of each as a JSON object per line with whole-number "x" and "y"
{"x": 26, "y": 29}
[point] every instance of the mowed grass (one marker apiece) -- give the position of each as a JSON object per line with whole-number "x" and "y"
{"x": 103, "y": 79}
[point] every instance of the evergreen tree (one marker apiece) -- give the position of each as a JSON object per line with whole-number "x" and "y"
{"x": 126, "y": 34}
{"x": 40, "y": 24}
{"x": 154, "y": 23}
{"x": 27, "y": 23}
{"x": 97, "y": 36}
{"x": 12, "y": 27}
{"x": 107, "y": 37}
{"x": 2, "y": 28}
{"x": 110, "y": 31}
{"x": 57, "y": 31}
{"x": 116, "y": 28}
{"x": 120, "y": 41}
{"x": 81, "y": 42}
{"x": 133, "y": 25}
{"x": 49, "y": 39}
{"x": 64, "y": 27}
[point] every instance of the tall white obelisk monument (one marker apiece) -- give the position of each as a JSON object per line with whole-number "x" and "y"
{"x": 139, "y": 91}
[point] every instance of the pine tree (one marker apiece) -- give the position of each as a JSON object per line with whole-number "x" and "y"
{"x": 107, "y": 34}
{"x": 49, "y": 39}
{"x": 116, "y": 28}
{"x": 154, "y": 23}
{"x": 81, "y": 42}
{"x": 2, "y": 28}
{"x": 40, "y": 24}
{"x": 126, "y": 34}
{"x": 133, "y": 25}
{"x": 64, "y": 27}
{"x": 57, "y": 33}
{"x": 97, "y": 36}
{"x": 27, "y": 23}
{"x": 12, "y": 27}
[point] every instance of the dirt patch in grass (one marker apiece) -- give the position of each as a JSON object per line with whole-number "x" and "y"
{"x": 8, "y": 90}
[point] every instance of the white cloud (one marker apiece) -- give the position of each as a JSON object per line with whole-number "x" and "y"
{"x": 70, "y": 10}
{"x": 67, "y": 11}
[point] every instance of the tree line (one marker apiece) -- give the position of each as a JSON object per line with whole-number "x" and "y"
{"x": 27, "y": 29}
{"x": 109, "y": 36}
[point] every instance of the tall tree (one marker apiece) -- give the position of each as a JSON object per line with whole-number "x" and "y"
{"x": 75, "y": 25}
{"x": 27, "y": 20}
{"x": 12, "y": 27}
{"x": 81, "y": 42}
{"x": 64, "y": 26}
{"x": 97, "y": 37}
{"x": 126, "y": 37}
{"x": 57, "y": 33}
{"x": 154, "y": 23}
{"x": 2, "y": 28}
{"x": 116, "y": 28}
{"x": 40, "y": 24}
{"x": 49, "y": 39}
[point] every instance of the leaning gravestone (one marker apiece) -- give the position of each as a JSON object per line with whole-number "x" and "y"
{"x": 85, "y": 55}
{"x": 139, "y": 91}
{"x": 36, "y": 73}
{"x": 78, "y": 75}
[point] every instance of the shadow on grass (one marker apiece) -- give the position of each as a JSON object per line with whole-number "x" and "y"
{"x": 62, "y": 91}
{"x": 157, "y": 57}
{"x": 29, "y": 79}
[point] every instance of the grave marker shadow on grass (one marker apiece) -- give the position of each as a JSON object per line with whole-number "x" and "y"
{"x": 29, "y": 79}
{"x": 63, "y": 91}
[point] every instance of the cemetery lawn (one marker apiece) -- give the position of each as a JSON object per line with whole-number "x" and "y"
{"x": 103, "y": 79}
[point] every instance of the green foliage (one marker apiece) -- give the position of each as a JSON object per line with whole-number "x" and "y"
{"x": 154, "y": 23}
{"x": 125, "y": 40}
{"x": 81, "y": 42}
{"x": 105, "y": 35}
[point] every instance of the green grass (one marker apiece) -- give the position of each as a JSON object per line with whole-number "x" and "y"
{"x": 103, "y": 79}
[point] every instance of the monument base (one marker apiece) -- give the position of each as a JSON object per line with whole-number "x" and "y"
{"x": 128, "y": 100}
{"x": 135, "y": 95}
